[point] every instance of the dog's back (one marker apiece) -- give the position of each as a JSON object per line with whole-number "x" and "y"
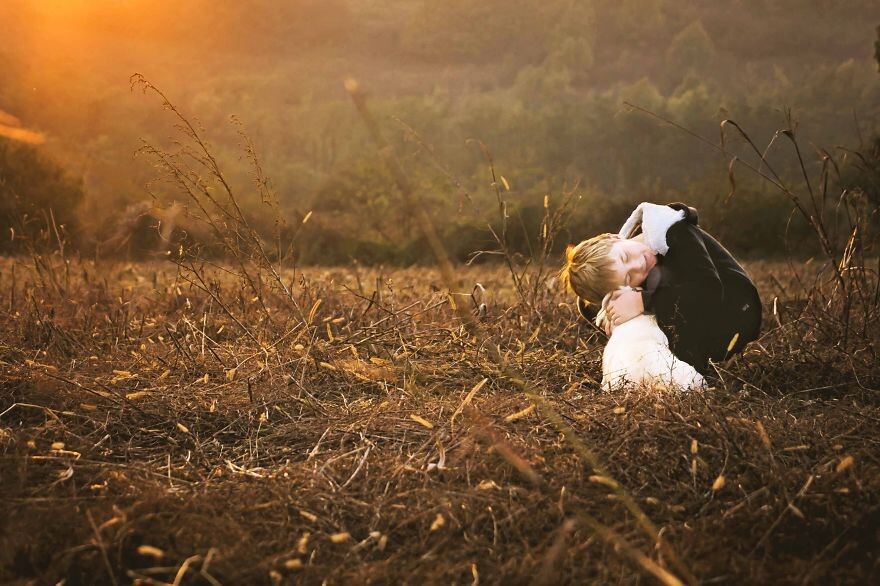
{"x": 638, "y": 354}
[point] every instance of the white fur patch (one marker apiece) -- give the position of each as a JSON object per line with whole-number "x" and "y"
{"x": 638, "y": 354}
{"x": 656, "y": 221}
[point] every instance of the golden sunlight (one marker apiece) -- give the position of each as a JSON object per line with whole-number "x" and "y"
{"x": 60, "y": 8}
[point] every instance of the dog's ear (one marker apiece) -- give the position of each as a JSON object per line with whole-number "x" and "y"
{"x": 600, "y": 313}
{"x": 587, "y": 310}
{"x": 600, "y": 319}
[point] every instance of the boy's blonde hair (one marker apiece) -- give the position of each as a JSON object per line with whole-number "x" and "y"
{"x": 587, "y": 268}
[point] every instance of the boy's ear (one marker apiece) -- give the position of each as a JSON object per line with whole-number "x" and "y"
{"x": 588, "y": 310}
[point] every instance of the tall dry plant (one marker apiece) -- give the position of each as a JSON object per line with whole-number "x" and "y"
{"x": 531, "y": 273}
{"x": 47, "y": 249}
{"x": 194, "y": 170}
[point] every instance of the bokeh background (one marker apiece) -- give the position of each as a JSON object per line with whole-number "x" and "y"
{"x": 542, "y": 83}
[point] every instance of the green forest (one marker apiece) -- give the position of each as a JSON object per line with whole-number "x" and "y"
{"x": 566, "y": 97}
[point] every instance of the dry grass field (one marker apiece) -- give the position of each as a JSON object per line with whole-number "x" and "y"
{"x": 184, "y": 400}
{"x": 161, "y": 426}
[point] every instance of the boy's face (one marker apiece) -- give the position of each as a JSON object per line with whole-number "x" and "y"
{"x": 631, "y": 262}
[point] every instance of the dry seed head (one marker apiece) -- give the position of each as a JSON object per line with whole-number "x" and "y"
{"x": 763, "y": 434}
{"x": 313, "y": 311}
{"x": 150, "y": 551}
{"x": 57, "y": 445}
{"x": 845, "y": 464}
{"x": 422, "y": 421}
{"x": 351, "y": 86}
{"x": 520, "y": 414}
{"x": 439, "y": 521}
{"x": 303, "y": 543}
{"x": 604, "y": 480}
{"x": 110, "y": 523}
{"x": 476, "y": 388}
{"x": 293, "y": 564}
{"x": 694, "y": 446}
{"x": 719, "y": 483}
{"x": 340, "y": 537}
{"x": 733, "y": 342}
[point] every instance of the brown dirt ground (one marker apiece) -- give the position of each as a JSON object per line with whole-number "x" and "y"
{"x": 146, "y": 437}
